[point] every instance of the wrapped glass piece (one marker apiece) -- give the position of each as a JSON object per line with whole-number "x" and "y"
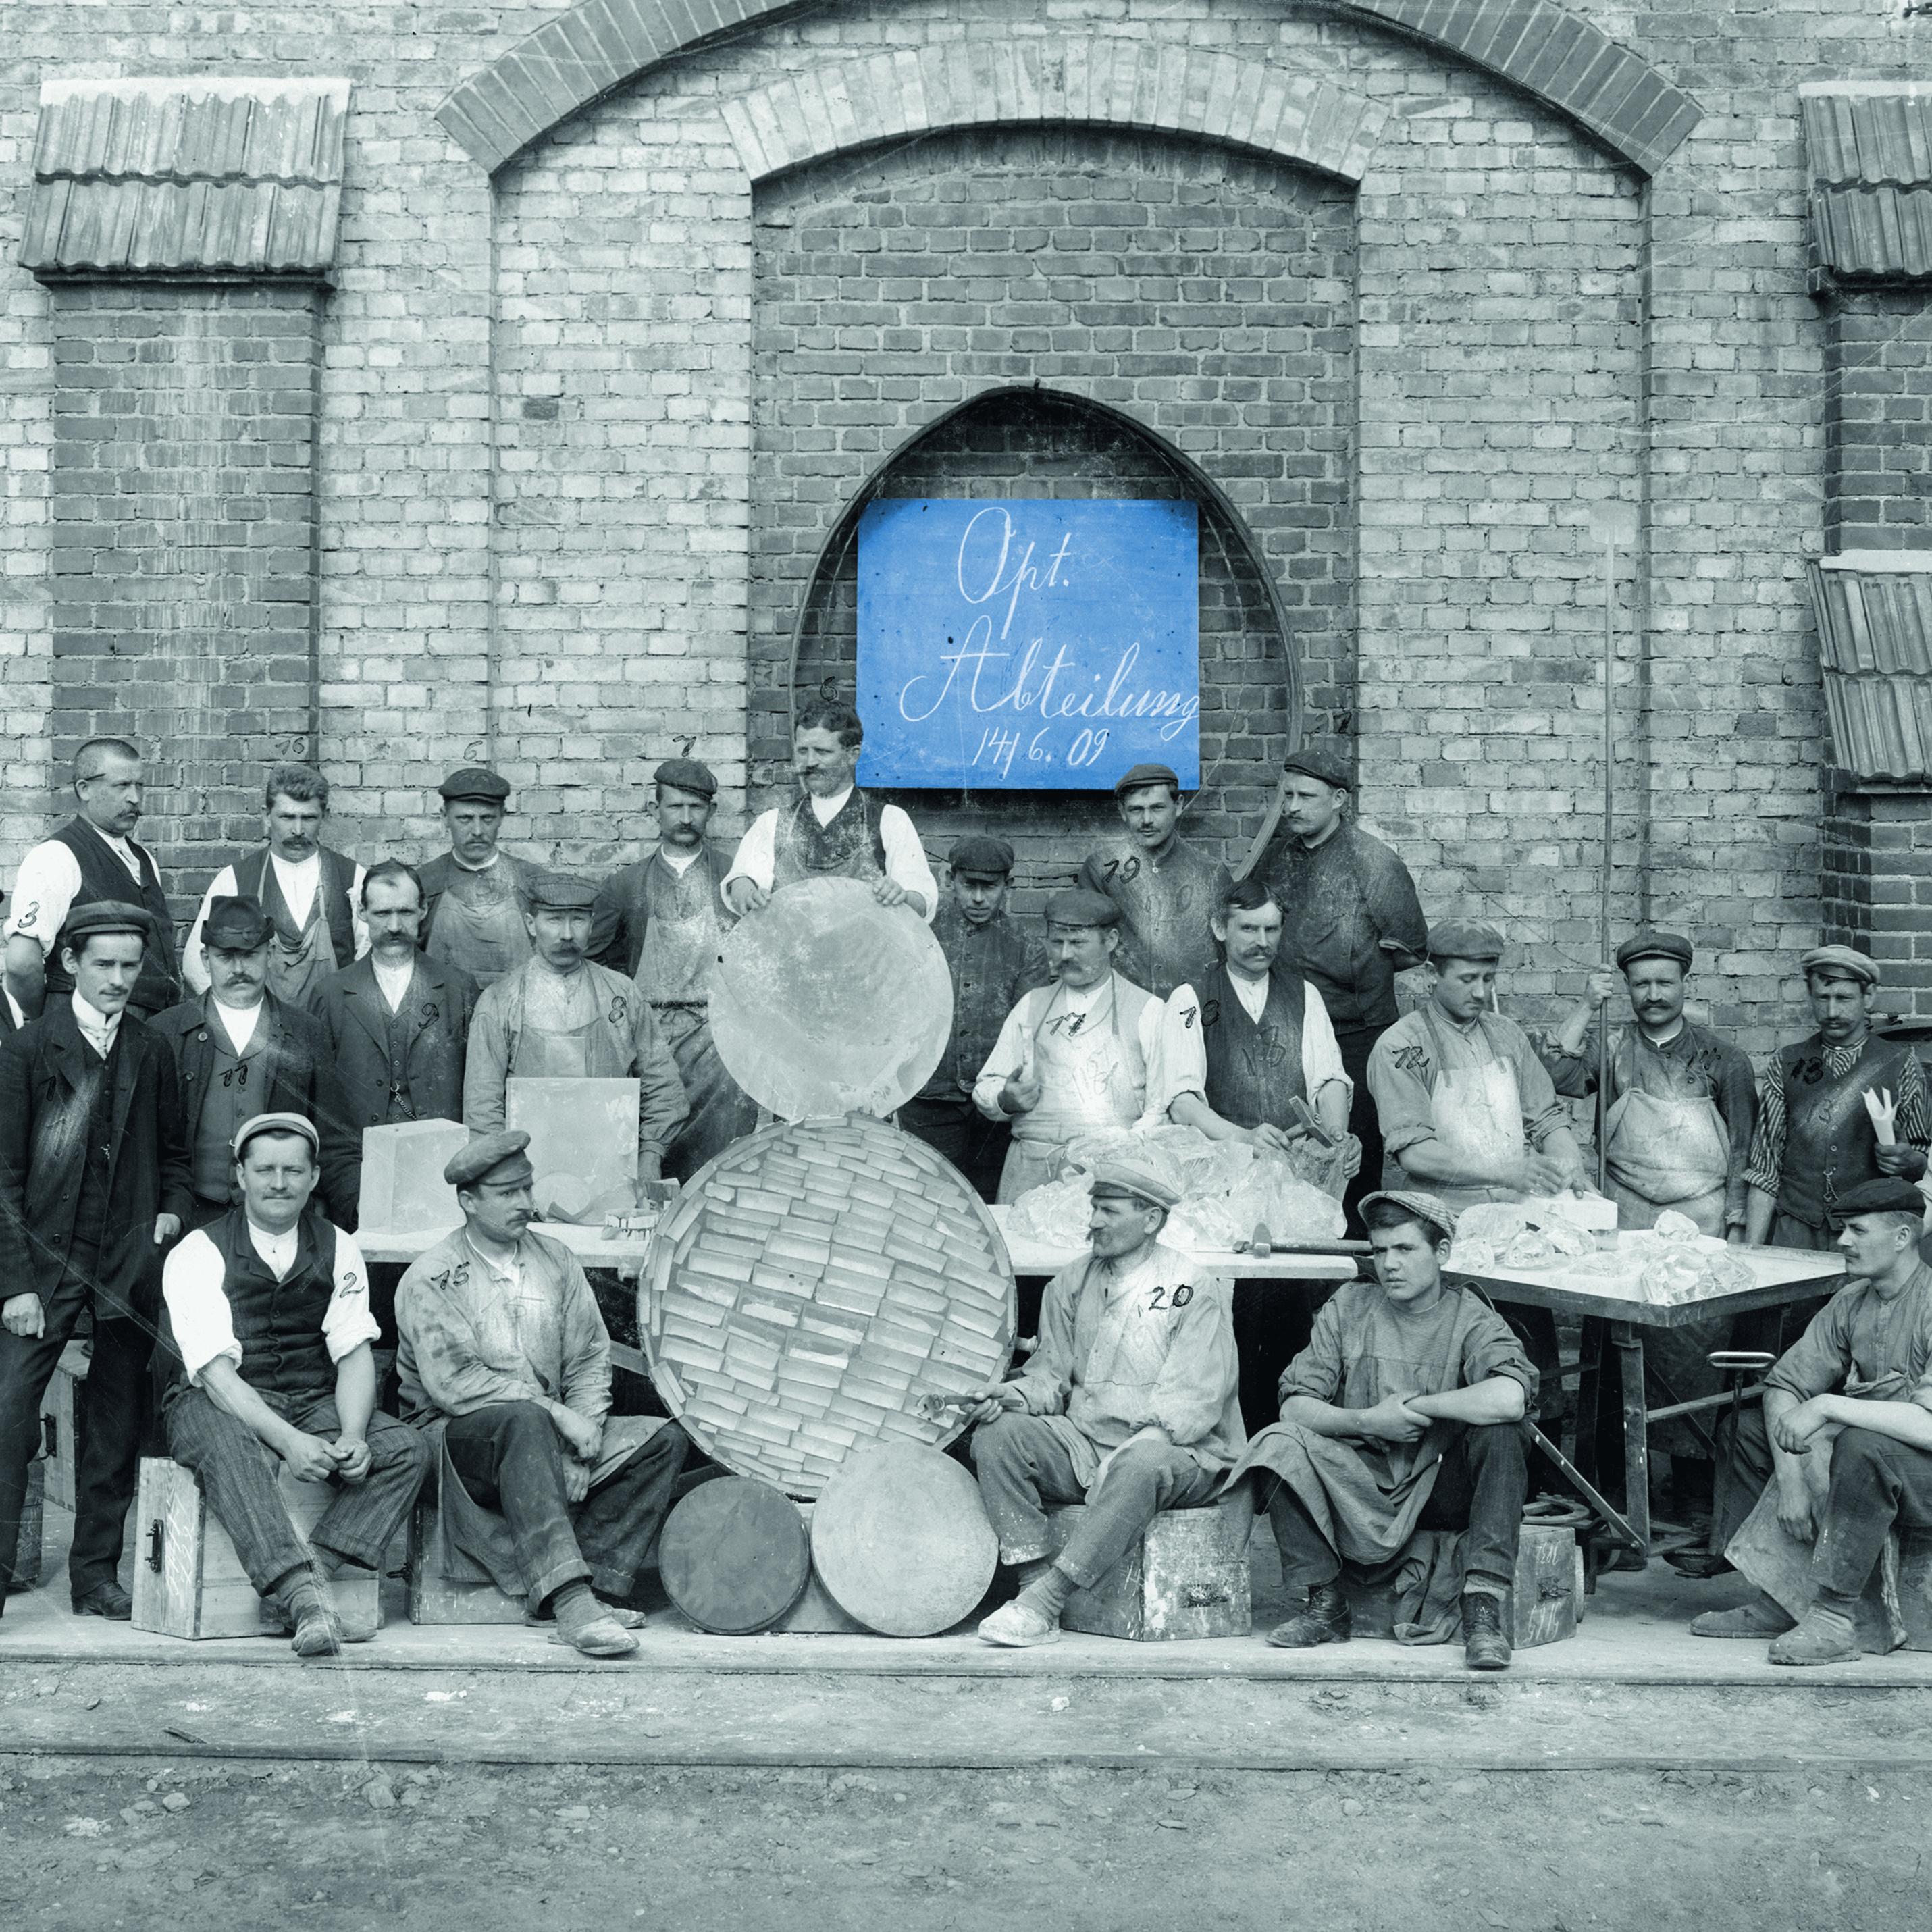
{"x": 403, "y": 1191}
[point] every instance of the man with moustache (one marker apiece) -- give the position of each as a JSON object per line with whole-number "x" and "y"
{"x": 661, "y": 922}
{"x": 475, "y": 896}
{"x": 308, "y": 890}
{"x": 992, "y": 963}
{"x": 93, "y": 857}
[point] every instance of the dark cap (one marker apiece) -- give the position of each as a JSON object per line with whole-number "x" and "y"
{"x": 1146, "y": 774}
{"x": 1657, "y": 945}
{"x": 236, "y": 925}
{"x": 1465, "y": 939}
{"x": 481, "y": 1158}
{"x": 474, "y": 784}
{"x": 1431, "y": 1210}
{"x": 687, "y": 775}
{"x": 1888, "y": 1195}
{"x": 980, "y": 857}
{"x": 83, "y": 922}
{"x": 561, "y": 892}
{"x": 1077, "y": 906}
{"x": 1846, "y": 960}
{"x": 1328, "y": 762}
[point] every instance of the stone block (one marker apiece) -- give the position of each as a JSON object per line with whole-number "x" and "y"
{"x": 403, "y": 1191}
{"x": 1185, "y": 1576}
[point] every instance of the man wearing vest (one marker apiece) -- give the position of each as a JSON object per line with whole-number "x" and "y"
{"x": 661, "y": 923}
{"x": 268, "y": 1315}
{"x": 992, "y": 963}
{"x": 238, "y": 1050}
{"x": 834, "y": 830}
{"x": 309, "y": 890}
{"x": 94, "y": 1183}
{"x": 93, "y": 856}
{"x": 475, "y": 897}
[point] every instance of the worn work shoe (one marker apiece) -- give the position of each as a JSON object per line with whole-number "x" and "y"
{"x": 1323, "y": 1618}
{"x": 1820, "y": 1636}
{"x": 1019, "y": 1626}
{"x": 1760, "y": 1617}
{"x": 1484, "y": 1645}
{"x": 318, "y": 1633}
{"x": 622, "y": 1615}
{"x": 105, "y": 1600}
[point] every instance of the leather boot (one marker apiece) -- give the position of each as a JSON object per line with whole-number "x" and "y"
{"x": 1323, "y": 1618}
{"x": 1484, "y": 1645}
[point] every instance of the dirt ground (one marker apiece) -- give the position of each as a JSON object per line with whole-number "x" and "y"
{"x": 102, "y": 1844}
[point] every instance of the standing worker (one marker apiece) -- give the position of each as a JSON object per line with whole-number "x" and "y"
{"x": 1351, "y": 921}
{"x": 475, "y": 896}
{"x": 1168, "y": 890}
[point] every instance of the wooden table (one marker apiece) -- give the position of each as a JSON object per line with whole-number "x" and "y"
{"x": 1032, "y": 1258}
{"x": 1617, "y": 1321}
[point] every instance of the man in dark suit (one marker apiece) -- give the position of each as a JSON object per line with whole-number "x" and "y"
{"x": 93, "y": 1183}
{"x": 239, "y": 1052}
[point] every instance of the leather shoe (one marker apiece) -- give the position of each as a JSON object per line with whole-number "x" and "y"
{"x": 1484, "y": 1645}
{"x": 1820, "y": 1636}
{"x": 105, "y": 1600}
{"x": 1323, "y": 1618}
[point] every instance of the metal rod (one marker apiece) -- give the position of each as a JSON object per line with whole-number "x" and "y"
{"x": 1703, "y": 1401}
{"x": 1604, "y": 897}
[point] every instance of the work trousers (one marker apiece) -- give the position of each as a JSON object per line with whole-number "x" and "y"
{"x": 957, "y": 1130}
{"x": 1022, "y": 1464}
{"x": 1357, "y": 1043}
{"x": 1745, "y": 1465}
{"x": 1480, "y": 1489}
{"x": 111, "y": 1404}
{"x": 511, "y": 1460}
{"x": 239, "y": 1475}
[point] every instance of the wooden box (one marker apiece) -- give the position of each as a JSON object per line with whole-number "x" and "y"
{"x": 435, "y": 1598}
{"x": 188, "y": 1581}
{"x": 27, "y": 1552}
{"x": 60, "y": 1422}
{"x": 1545, "y": 1601}
{"x": 1186, "y": 1576}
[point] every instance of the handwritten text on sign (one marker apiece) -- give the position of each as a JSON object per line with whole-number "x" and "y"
{"x": 1026, "y": 644}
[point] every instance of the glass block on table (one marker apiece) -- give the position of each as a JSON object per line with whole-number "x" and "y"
{"x": 583, "y": 1144}
{"x": 403, "y": 1187}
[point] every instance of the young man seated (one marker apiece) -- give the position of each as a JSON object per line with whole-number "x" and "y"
{"x": 1403, "y": 1413}
{"x": 268, "y": 1309}
{"x": 1846, "y": 1431}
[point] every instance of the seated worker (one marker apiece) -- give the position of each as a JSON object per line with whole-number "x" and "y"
{"x": 505, "y": 1364}
{"x": 1403, "y": 1413}
{"x": 268, "y": 1309}
{"x": 1090, "y": 1054}
{"x": 1128, "y": 1405}
{"x": 1854, "y": 1393}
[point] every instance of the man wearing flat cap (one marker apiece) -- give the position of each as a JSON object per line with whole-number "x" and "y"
{"x": 1817, "y": 1137}
{"x": 1841, "y": 1454}
{"x": 1092, "y": 1053}
{"x": 1404, "y": 1414}
{"x": 1167, "y": 890}
{"x": 239, "y": 1049}
{"x": 1129, "y": 1405}
{"x": 992, "y": 964}
{"x": 505, "y": 1364}
{"x": 661, "y": 922}
{"x": 1351, "y": 921}
{"x": 94, "y": 1184}
{"x": 268, "y": 1338}
{"x": 559, "y": 1016}
{"x": 475, "y": 895}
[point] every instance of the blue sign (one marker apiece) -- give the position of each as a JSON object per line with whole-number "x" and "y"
{"x": 1028, "y": 645}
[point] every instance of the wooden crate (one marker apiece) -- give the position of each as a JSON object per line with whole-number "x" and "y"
{"x": 1545, "y": 1603}
{"x": 434, "y": 1597}
{"x": 1186, "y": 1576}
{"x": 188, "y": 1581}
{"x": 60, "y": 1422}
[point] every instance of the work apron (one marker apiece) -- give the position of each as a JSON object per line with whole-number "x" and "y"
{"x": 1666, "y": 1153}
{"x": 1477, "y": 1114}
{"x": 295, "y": 971}
{"x": 479, "y": 927}
{"x": 592, "y": 1052}
{"x": 1093, "y": 1081}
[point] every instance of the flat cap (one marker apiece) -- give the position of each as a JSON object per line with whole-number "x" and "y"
{"x": 1887, "y": 1195}
{"x": 689, "y": 775}
{"x": 1431, "y": 1210}
{"x": 562, "y": 892}
{"x": 105, "y": 916}
{"x": 276, "y": 1123}
{"x": 1328, "y": 762}
{"x": 1465, "y": 939}
{"x": 1657, "y": 945}
{"x": 1117, "y": 1180}
{"x": 981, "y": 857}
{"x": 1846, "y": 959}
{"x": 1077, "y": 906}
{"x": 236, "y": 925}
{"x": 473, "y": 782}
{"x": 483, "y": 1156}
{"x": 1146, "y": 774}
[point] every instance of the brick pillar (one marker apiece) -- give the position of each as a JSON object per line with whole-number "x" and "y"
{"x": 1878, "y": 883}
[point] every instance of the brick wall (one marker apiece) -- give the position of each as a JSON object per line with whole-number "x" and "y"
{"x": 1879, "y": 421}
{"x": 1877, "y": 884}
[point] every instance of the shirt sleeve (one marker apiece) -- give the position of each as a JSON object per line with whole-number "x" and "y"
{"x": 1913, "y": 1122}
{"x": 1398, "y": 1078}
{"x": 198, "y": 1310}
{"x": 1573, "y": 1075}
{"x": 906, "y": 863}
{"x": 1321, "y": 1052}
{"x": 1543, "y": 1112}
{"x": 1737, "y": 1106}
{"x": 347, "y": 1323}
{"x": 194, "y": 960}
{"x": 1190, "y": 1394}
{"x": 1490, "y": 1348}
{"x": 1318, "y": 1371}
{"x": 1816, "y": 1363}
{"x": 1011, "y": 1052}
{"x": 1764, "y": 1169}
{"x": 1395, "y": 909}
{"x": 356, "y": 925}
{"x": 756, "y": 858}
{"x": 1049, "y": 1369}
{"x": 442, "y": 1336}
{"x": 586, "y": 1348}
{"x": 1181, "y": 1061}
{"x": 486, "y": 1067}
{"x": 44, "y": 890}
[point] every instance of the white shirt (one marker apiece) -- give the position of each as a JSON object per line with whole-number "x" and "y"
{"x": 393, "y": 982}
{"x": 1321, "y": 1055}
{"x": 298, "y": 884}
{"x": 97, "y": 1028}
{"x": 680, "y": 863}
{"x": 1158, "y": 1031}
{"x": 44, "y": 888}
{"x": 204, "y": 1325}
{"x": 239, "y": 1023}
{"x": 756, "y": 856}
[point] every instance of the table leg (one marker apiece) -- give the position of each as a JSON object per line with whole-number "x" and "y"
{"x": 1589, "y": 1394}
{"x": 1627, "y": 1339}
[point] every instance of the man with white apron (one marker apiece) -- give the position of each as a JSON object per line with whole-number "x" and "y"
{"x": 1087, "y": 1055}
{"x": 474, "y": 896}
{"x": 560, "y": 1017}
